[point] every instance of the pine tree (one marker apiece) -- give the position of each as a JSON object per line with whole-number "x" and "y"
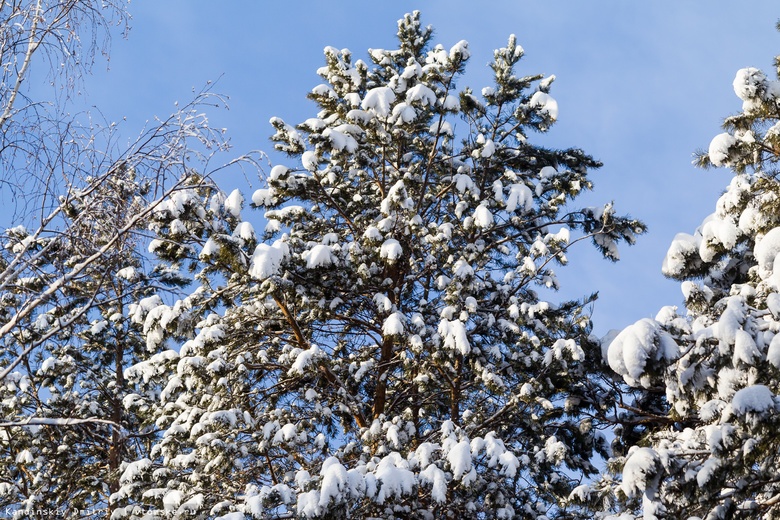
{"x": 705, "y": 423}
{"x": 70, "y": 288}
{"x": 384, "y": 350}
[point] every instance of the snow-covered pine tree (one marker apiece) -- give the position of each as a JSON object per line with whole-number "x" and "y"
{"x": 70, "y": 285}
{"x": 384, "y": 352}
{"x": 706, "y": 425}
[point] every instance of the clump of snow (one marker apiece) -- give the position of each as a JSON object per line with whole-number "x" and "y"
{"x": 707, "y": 470}
{"x": 391, "y": 249}
{"x": 488, "y": 149}
{"x": 267, "y": 260}
{"x": 460, "y": 49}
{"x": 438, "y": 480}
{"x": 421, "y": 93}
{"x": 773, "y": 352}
{"x": 210, "y": 248}
{"x": 233, "y": 203}
{"x": 520, "y": 196}
{"x": 379, "y": 100}
{"x": 683, "y": 247}
{"x": 309, "y": 160}
{"x": 639, "y": 471}
{"x": 719, "y": 149}
{"x": 483, "y": 218}
{"x": 715, "y": 231}
{"x": 404, "y": 113}
{"x": 745, "y": 348}
{"x": 455, "y": 335}
{"x": 747, "y": 83}
{"x": 766, "y": 250}
{"x": 128, "y": 273}
{"x": 756, "y": 398}
{"x": 172, "y": 500}
{"x": 463, "y": 182}
{"x": 630, "y": 351}
{"x": 277, "y": 171}
{"x": 451, "y": 103}
{"x": 304, "y": 359}
{"x": 319, "y": 256}
{"x": 459, "y": 458}
{"x": 394, "y": 477}
{"x": 341, "y": 139}
{"x": 244, "y": 231}
{"x": 394, "y": 324}
{"x": 545, "y": 103}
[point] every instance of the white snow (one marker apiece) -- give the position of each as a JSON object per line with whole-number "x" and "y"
{"x": 391, "y": 249}
{"x": 766, "y": 250}
{"x": 394, "y": 476}
{"x": 319, "y": 256}
{"x": 304, "y": 359}
{"x": 172, "y": 500}
{"x": 641, "y": 465}
{"x": 483, "y": 218}
{"x": 404, "y": 113}
{"x": 459, "y": 458}
{"x": 745, "y": 348}
{"x": 234, "y": 202}
{"x": 455, "y": 335}
{"x": 463, "y": 182}
{"x": 382, "y": 302}
{"x": 460, "y": 49}
{"x": 211, "y": 247}
{"x": 263, "y": 197}
{"x": 719, "y": 149}
{"x": 462, "y": 269}
{"x": 98, "y": 326}
{"x": 520, "y": 196}
{"x": 707, "y": 470}
{"x": 244, "y": 231}
{"x": 372, "y": 233}
{"x": 340, "y": 138}
{"x": 747, "y": 83}
{"x": 421, "y": 93}
{"x": 24, "y": 457}
{"x": 451, "y": 103}
{"x": 266, "y": 260}
{"x": 488, "y": 149}
{"x": 773, "y": 353}
{"x": 334, "y": 482}
{"x": 630, "y": 351}
{"x": 438, "y": 480}
{"x": 756, "y": 398}
{"x": 134, "y": 469}
{"x": 394, "y": 324}
{"x": 714, "y": 231}
{"x": 379, "y": 100}
{"x": 545, "y": 103}
{"x": 128, "y": 273}
{"x": 277, "y": 171}
{"x": 682, "y": 247}
{"x": 442, "y": 128}
{"x": 309, "y": 160}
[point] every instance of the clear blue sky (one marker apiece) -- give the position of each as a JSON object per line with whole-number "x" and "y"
{"x": 640, "y": 85}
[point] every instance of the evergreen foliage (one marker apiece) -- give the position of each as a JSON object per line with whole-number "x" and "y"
{"x": 705, "y": 420}
{"x": 69, "y": 288}
{"x": 383, "y": 348}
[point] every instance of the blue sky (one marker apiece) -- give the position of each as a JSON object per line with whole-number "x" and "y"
{"x": 640, "y": 86}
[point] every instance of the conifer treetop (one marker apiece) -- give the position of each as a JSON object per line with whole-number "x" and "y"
{"x": 381, "y": 349}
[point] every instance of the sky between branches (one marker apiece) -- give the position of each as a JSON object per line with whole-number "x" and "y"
{"x": 640, "y": 86}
